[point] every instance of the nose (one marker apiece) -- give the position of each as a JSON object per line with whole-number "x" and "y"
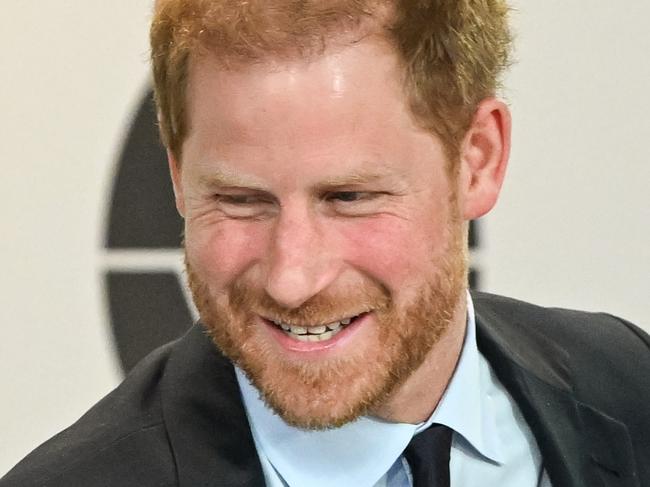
{"x": 302, "y": 260}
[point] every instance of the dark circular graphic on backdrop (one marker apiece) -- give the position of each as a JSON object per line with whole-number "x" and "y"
{"x": 147, "y": 306}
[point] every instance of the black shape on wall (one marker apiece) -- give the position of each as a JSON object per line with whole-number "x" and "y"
{"x": 473, "y": 240}
{"x": 473, "y": 243}
{"x": 147, "y": 310}
{"x": 142, "y": 212}
{"x": 474, "y": 282}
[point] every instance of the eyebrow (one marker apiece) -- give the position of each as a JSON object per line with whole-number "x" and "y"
{"x": 361, "y": 177}
{"x": 220, "y": 178}
{"x": 227, "y": 179}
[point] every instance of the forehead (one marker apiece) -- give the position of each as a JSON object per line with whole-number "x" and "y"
{"x": 303, "y": 122}
{"x": 346, "y": 85}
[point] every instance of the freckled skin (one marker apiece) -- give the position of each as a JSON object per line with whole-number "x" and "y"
{"x": 325, "y": 187}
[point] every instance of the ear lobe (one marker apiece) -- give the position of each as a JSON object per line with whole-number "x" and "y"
{"x": 484, "y": 158}
{"x": 177, "y": 182}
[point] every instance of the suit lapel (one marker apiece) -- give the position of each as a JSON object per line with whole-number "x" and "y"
{"x": 205, "y": 418}
{"x": 580, "y": 445}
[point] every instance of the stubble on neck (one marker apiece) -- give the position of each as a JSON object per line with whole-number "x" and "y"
{"x": 415, "y": 400}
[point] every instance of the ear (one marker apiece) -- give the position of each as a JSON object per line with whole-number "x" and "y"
{"x": 177, "y": 182}
{"x": 484, "y": 158}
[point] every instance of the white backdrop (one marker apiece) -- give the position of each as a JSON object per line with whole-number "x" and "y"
{"x": 572, "y": 228}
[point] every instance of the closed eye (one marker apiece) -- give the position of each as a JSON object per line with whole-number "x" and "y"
{"x": 241, "y": 199}
{"x": 349, "y": 196}
{"x": 245, "y": 205}
{"x": 356, "y": 203}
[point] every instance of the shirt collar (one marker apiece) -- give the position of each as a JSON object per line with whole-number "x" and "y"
{"x": 466, "y": 406}
{"x": 361, "y": 452}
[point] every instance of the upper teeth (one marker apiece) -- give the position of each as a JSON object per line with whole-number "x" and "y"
{"x": 314, "y": 330}
{"x": 298, "y": 330}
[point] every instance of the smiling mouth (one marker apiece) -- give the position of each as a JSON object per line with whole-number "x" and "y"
{"x": 315, "y": 333}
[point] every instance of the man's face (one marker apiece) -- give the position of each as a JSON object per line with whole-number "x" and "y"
{"x": 323, "y": 240}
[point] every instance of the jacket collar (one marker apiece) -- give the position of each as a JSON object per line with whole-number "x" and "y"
{"x": 580, "y": 444}
{"x": 213, "y": 446}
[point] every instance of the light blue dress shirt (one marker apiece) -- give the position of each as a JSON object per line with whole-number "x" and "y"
{"x": 492, "y": 444}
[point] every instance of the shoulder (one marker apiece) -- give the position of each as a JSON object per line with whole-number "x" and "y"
{"x": 578, "y": 331}
{"x": 120, "y": 441}
{"x": 604, "y": 359}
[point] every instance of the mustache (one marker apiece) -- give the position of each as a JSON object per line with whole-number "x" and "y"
{"x": 321, "y": 308}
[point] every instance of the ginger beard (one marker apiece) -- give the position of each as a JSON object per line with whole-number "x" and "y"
{"x": 327, "y": 393}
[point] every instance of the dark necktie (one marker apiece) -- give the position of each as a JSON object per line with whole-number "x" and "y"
{"x": 428, "y": 456}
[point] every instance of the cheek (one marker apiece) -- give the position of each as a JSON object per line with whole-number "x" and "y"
{"x": 223, "y": 251}
{"x": 397, "y": 252}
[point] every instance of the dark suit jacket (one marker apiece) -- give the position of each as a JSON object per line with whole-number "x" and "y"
{"x": 582, "y": 382}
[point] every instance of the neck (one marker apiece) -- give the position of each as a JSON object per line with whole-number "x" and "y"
{"x": 415, "y": 400}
